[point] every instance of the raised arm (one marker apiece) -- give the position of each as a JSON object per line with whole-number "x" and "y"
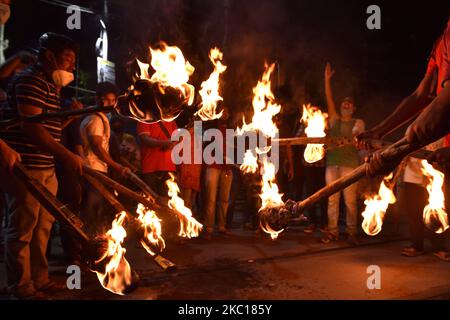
{"x": 331, "y": 105}
{"x": 19, "y": 60}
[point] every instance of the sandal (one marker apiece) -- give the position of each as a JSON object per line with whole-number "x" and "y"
{"x": 310, "y": 229}
{"x": 224, "y": 232}
{"x": 36, "y": 295}
{"x": 412, "y": 252}
{"x": 443, "y": 255}
{"x": 328, "y": 237}
{"x": 52, "y": 287}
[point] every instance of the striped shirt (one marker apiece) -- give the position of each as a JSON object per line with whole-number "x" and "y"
{"x": 32, "y": 87}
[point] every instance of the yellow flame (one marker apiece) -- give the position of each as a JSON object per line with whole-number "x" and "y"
{"x": 270, "y": 196}
{"x": 152, "y": 229}
{"x": 210, "y": 88}
{"x": 267, "y": 229}
{"x": 315, "y": 122}
{"x": 250, "y": 162}
{"x": 376, "y": 207}
{"x": 264, "y": 107}
{"x": 434, "y": 213}
{"x": 117, "y": 275}
{"x": 189, "y": 227}
{"x": 171, "y": 70}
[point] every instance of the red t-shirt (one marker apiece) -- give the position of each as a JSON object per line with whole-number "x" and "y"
{"x": 155, "y": 159}
{"x": 440, "y": 59}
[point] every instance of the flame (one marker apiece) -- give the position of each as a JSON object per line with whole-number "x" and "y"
{"x": 152, "y": 229}
{"x": 117, "y": 275}
{"x": 171, "y": 70}
{"x": 189, "y": 227}
{"x": 315, "y": 122}
{"x": 270, "y": 196}
{"x": 250, "y": 162}
{"x": 210, "y": 88}
{"x": 264, "y": 107}
{"x": 376, "y": 207}
{"x": 434, "y": 213}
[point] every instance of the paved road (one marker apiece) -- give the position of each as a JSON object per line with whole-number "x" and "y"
{"x": 296, "y": 266}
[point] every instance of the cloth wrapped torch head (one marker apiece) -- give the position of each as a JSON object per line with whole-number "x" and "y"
{"x": 149, "y": 102}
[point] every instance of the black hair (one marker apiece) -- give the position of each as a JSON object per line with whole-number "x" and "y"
{"x": 103, "y": 88}
{"x": 56, "y": 43}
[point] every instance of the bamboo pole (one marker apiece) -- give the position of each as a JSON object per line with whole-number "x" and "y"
{"x": 5, "y": 124}
{"x": 59, "y": 211}
{"x": 398, "y": 150}
{"x": 161, "y": 261}
{"x": 328, "y": 141}
{"x": 149, "y": 203}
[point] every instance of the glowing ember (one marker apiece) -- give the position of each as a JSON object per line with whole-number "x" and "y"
{"x": 250, "y": 162}
{"x": 434, "y": 214}
{"x": 315, "y": 122}
{"x": 171, "y": 70}
{"x": 264, "y": 107}
{"x": 189, "y": 227}
{"x": 270, "y": 196}
{"x": 152, "y": 229}
{"x": 210, "y": 88}
{"x": 117, "y": 276}
{"x": 376, "y": 207}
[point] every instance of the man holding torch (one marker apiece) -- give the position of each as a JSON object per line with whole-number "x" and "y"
{"x": 432, "y": 123}
{"x": 32, "y": 92}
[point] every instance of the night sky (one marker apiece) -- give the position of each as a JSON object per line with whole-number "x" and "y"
{"x": 377, "y": 67}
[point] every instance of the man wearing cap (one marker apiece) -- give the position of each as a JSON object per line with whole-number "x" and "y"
{"x": 341, "y": 160}
{"x": 32, "y": 92}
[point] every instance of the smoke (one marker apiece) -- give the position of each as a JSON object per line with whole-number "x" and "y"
{"x": 300, "y": 36}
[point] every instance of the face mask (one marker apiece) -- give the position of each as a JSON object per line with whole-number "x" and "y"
{"x": 4, "y": 13}
{"x": 62, "y": 77}
{"x": 346, "y": 112}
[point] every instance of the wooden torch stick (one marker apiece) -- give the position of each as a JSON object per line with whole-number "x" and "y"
{"x": 148, "y": 202}
{"x": 328, "y": 141}
{"x": 59, "y": 211}
{"x": 61, "y": 115}
{"x": 399, "y": 149}
{"x": 164, "y": 263}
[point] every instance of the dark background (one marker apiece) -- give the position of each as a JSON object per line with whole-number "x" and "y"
{"x": 377, "y": 67}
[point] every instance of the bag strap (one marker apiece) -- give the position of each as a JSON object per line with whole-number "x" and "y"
{"x": 164, "y": 130}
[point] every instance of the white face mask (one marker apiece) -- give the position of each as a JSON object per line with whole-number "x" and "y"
{"x": 4, "y": 13}
{"x": 62, "y": 77}
{"x": 346, "y": 112}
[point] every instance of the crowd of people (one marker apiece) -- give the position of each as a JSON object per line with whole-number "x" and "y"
{"x": 56, "y": 152}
